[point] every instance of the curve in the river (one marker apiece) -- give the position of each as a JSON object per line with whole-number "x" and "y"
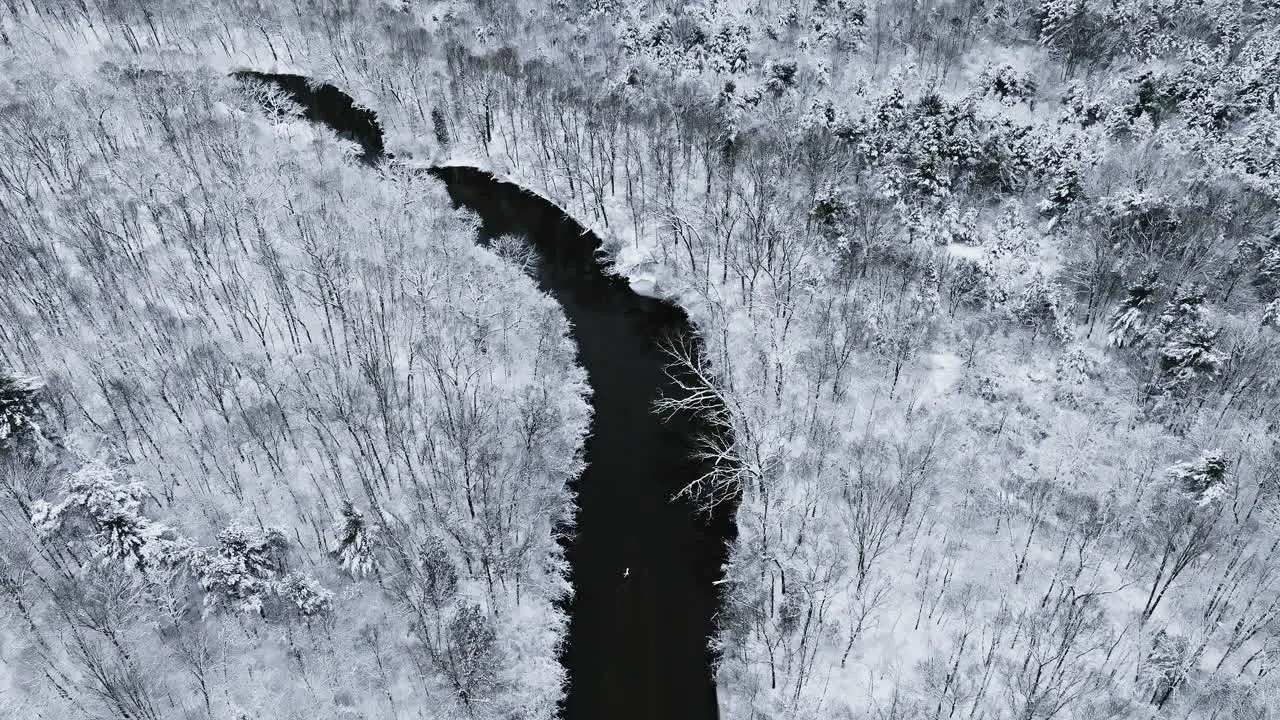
{"x": 327, "y": 105}
{"x": 643, "y": 567}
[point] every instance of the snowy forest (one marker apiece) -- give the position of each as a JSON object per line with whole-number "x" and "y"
{"x": 988, "y": 294}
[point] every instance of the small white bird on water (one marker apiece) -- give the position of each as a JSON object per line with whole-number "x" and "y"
{"x": 626, "y": 573}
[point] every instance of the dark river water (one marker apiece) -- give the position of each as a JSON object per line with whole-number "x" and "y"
{"x": 642, "y": 566}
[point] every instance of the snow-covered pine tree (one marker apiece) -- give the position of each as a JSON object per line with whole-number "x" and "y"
{"x": 20, "y": 413}
{"x": 246, "y": 570}
{"x": 1185, "y": 308}
{"x": 1130, "y": 320}
{"x": 1271, "y": 313}
{"x": 1203, "y": 479}
{"x": 1188, "y": 349}
{"x": 103, "y": 505}
{"x": 355, "y": 542}
{"x": 441, "y": 128}
{"x": 471, "y": 661}
{"x": 225, "y": 582}
{"x": 439, "y": 581}
{"x": 260, "y": 551}
{"x": 1191, "y": 353}
{"x": 1166, "y": 667}
{"x": 1187, "y": 354}
{"x": 1039, "y": 308}
{"x": 1008, "y": 84}
{"x": 304, "y": 594}
{"x": 1265, "y": 252}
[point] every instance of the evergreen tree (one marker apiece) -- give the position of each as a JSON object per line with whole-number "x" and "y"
{"x": 1271, "y": 313}
{"x": 20, "y": 412}
{"x": 1185, "y": 309}
{"x": 1006, "y": 83}
{"x": 439, "y": 582}
{"x": 1038, "y": 307}
{"x": 259, "y": 552}
{"x": 223, "y": 580}
{"x": 441, "y": 128}
{"x": 304, "y": 594}
{"x": 355, "y": 543}
{"x": 1130, "y": 322}
{"x": 472, "y": 661}
{"x": 1190, "y": 354}
{"x": 1188, "y": 348}
{"x": 247, "y": 570}
{"x": 1203, "y": 479}
{"x": 1166, "y": 666}
{"x": 103, "y": 506}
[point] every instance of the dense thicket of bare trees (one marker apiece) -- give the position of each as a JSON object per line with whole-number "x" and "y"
{"x": 282, "y": 395}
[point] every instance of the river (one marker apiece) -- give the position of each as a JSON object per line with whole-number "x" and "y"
{"x": 643, "y": 566}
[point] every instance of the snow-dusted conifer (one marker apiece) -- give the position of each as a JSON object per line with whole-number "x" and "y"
{"x": 1130, "y": 321}
{"x": 305, "y": 594}
{"x": 1166, "y": 666}
{"x": 1188, "y": 350}
{"x": 108, "y": 507}
{"x": 439, "y": 582}
{"x": 260, "y": 551}
{"x": 1203, "y": 479}
{"x": 243, "y": 570}
{"x": 1191, "y": 352}
{"x": 355, "y": 542}
{"x": 471, "y": 662}
{"x": 1039, "y": 308}
{"x": 19, "y": 408}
